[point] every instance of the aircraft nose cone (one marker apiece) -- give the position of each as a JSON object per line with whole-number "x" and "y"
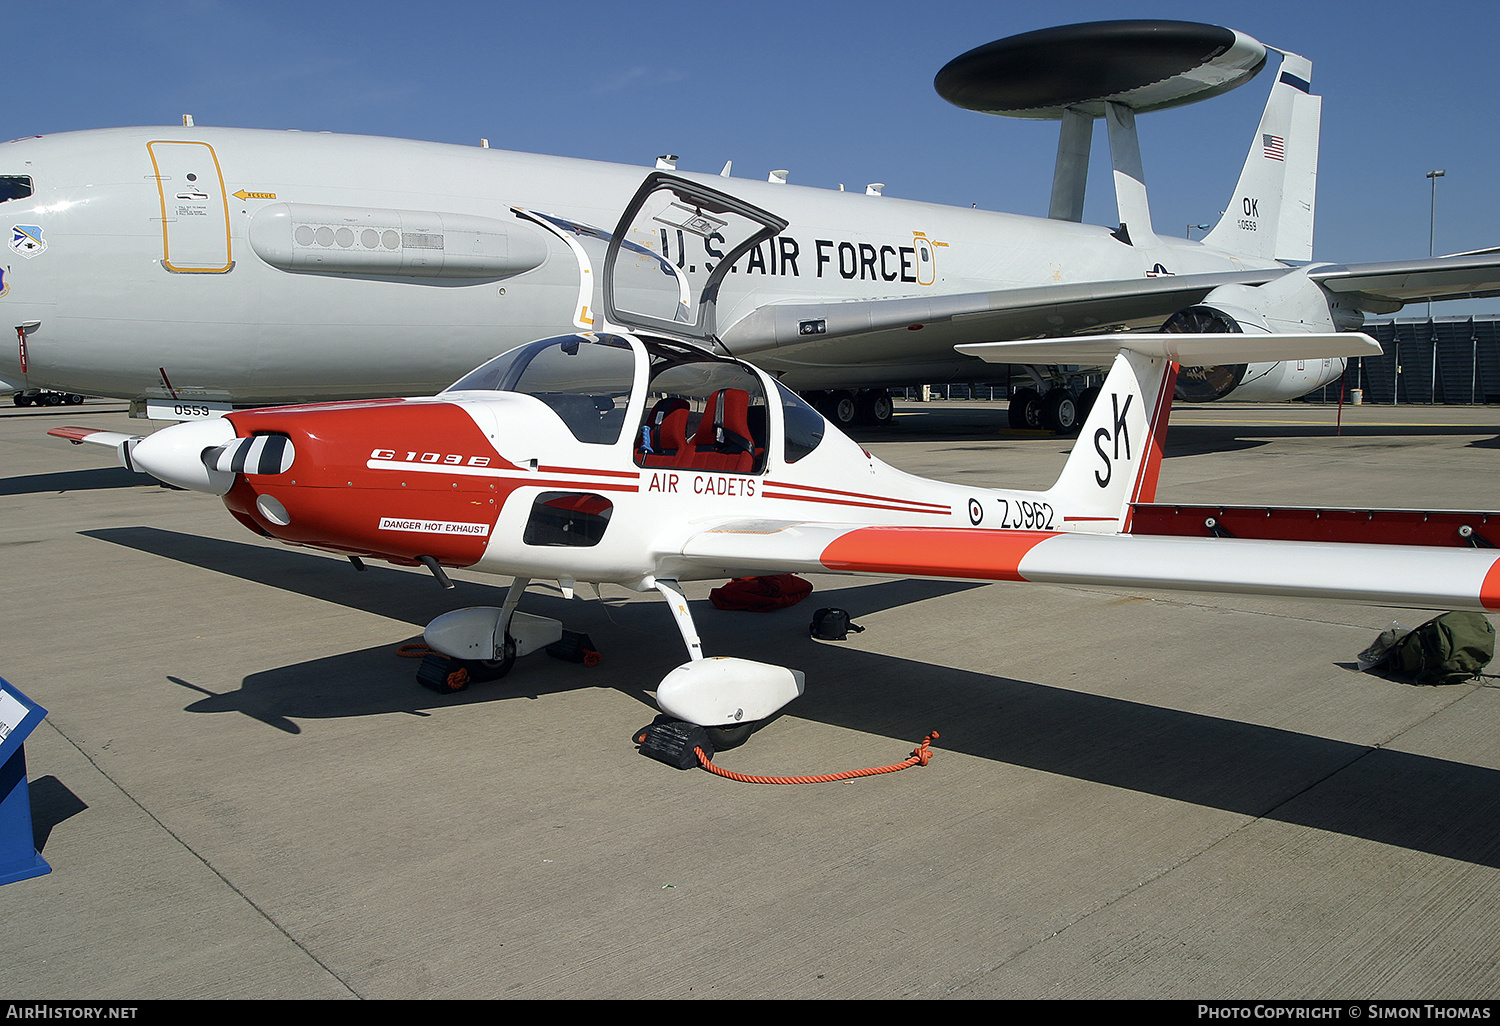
{"x": 175, "y": 455}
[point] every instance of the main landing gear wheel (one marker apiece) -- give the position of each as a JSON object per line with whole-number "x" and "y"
{"x": 842, "y": 409}
{"x": 733, "y": 735}
{"x": 1025, "y": 409}
{"x": 875, "y": 407}
{"x": 1060, "y": 411}
{"x": 482, "y": 670}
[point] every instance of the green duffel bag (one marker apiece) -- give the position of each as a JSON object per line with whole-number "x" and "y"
{"x": 1448, "y": 649}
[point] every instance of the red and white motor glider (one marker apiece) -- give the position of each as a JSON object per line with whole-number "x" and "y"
{"x": 637, "y": 454}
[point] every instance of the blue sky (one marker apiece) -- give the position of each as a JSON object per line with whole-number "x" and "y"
{"x": 834, "y": 91}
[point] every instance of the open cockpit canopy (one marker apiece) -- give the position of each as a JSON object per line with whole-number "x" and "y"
{"x": 672, "y": 247}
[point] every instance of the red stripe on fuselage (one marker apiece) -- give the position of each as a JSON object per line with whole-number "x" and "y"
{"x": 850, "y": 502}
{"x": 590, "y": 473}
{"x": 916, "y": 504}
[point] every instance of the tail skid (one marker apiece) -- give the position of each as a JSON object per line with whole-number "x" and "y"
{"x": 1271, "y": 212}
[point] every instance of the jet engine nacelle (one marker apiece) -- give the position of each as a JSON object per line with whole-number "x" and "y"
{"x": 1291, "y": 303}
{"x": 1206, "y": 384}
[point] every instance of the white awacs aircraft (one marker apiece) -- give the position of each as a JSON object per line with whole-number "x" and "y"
{"x": 197, "y": 269}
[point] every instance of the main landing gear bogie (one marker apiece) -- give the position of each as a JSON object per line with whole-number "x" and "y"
{"x": 1057, "y": 410}
{"x": 847, "y": 408}
{"x": 46, "y": 399}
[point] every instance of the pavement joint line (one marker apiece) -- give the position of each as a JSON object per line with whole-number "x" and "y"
{"x": 1251, "y": 819}
{"x": 270, "y": 920}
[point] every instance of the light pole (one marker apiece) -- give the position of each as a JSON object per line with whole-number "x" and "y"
{"x": 1432, "y": 176}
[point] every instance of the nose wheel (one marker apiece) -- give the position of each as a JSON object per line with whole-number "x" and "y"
{"x": 483, "y": 670}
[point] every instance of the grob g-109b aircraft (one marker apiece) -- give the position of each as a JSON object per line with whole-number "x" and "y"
{"x": 199, "y": 268}
{"x": 636, "y": 455}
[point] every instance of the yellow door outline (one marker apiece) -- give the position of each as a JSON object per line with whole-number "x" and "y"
{"x": 926, "y": 257}
{"x": 185, "y": 264}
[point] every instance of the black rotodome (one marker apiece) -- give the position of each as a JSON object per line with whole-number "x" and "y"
{"x": 1037, "y": 74}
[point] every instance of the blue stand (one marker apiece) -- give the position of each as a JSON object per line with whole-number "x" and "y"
{"x": 19, "y": 716}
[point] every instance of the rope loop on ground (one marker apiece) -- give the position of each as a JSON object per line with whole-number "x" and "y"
{"x": 920, "y": 756}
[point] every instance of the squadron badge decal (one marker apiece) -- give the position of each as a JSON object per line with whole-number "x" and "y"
{"x": 26, "y": 239}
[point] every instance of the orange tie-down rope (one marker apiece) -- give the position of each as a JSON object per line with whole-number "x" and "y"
{"x": 920, "y": 756}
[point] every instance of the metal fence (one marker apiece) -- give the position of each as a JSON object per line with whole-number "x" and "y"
{"x": 996, "y": 393}
{"x": 1442, "y": 360}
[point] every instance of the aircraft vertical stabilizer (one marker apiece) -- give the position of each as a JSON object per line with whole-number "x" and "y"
{"x": 1118, "y": 454}
{"x": 1271, "y": 212}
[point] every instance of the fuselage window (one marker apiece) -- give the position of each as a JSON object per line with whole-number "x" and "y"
{"x": 13, "y": 187}
{"x": 804, "y": 425}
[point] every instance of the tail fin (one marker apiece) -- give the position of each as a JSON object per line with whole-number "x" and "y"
{"x": 1117, "y": 457}
{"x": 1271, "y": 212}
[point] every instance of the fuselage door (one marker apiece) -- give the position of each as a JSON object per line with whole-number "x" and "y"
{"x": 926, "y": 259}
{"x": 673, "y": 246}
{"x": 194, "y": 207}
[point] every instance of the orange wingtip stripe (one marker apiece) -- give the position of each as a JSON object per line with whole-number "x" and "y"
{"x": 76, "y": 434}
{"x": 934, "y": 552}
{"x": 1489, "y": 591}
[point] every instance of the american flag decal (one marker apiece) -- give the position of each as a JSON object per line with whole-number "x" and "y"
{"x": 1275, "y": 146}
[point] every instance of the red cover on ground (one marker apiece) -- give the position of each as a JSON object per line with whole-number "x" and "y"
{"x": 761, "y": 594}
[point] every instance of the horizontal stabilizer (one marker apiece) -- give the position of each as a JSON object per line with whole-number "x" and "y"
{"x": 1188, "y": 350}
